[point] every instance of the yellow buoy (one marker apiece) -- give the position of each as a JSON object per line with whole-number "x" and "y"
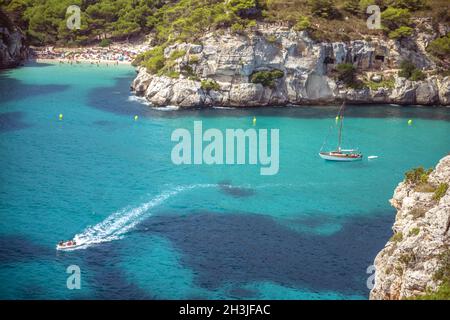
{"x": 410, "y": 122}
{"x": 60, "y": 116}
{"x": 254, "y": 120}
{"x": 135, "y": 118}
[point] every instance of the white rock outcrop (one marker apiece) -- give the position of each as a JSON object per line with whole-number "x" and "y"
{"x": 231, "y": 59}
{"x": 406, "y": 266}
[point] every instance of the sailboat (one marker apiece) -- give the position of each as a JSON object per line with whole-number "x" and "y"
{"x": 341, "y": 154}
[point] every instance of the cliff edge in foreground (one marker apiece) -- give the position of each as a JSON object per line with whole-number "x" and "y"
{"x": 415, "y": 263}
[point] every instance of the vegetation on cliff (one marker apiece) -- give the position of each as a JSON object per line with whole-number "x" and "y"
{"x": 171, "y": 21}
{"x": 415, "y": 263}
{"x": 443, "y": 276}
{"x": 44, "y": 21}
{"x": 409, "y": 71}
{"x": 266, "y": 77}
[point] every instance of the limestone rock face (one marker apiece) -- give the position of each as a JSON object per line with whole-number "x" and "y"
{"x": 141, "y": 82}
{"x": 307, "y": 66}
{"x": 444, "y": 91}
{"x": 404, "y": 91}
{"x": 427, "y": 92}
{"x": 407, "y": 264}
{"x": 13, "y": 50}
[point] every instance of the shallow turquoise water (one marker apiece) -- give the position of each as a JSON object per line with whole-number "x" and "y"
{"x": 167, "y": 232}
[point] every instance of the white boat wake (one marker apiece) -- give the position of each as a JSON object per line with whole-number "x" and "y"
{"x": 117, "y": 224}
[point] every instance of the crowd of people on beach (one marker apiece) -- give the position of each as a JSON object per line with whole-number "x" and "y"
{"x": 94, "y": 55}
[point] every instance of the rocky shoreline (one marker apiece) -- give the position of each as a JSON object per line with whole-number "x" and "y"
{"x": 230, "y": 60}
{"x": 13, "y": 50}
{"x": 416, "y": 259}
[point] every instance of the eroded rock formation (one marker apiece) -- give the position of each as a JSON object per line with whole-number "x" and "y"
{"x": 407, "y": 266}
{"x": 307, "y": 66}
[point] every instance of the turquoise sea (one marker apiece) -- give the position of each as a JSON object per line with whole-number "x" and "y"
{"x": 160, "y": 231}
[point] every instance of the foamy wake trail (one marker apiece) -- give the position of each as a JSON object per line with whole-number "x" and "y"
{"x": 143, "y": 100}
{"x": 138, "y": 99}
{"x": 120, "y": 222}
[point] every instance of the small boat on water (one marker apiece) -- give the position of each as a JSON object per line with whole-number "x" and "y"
{"x": 66, "y": 245}
{"x": 340, "y": 154}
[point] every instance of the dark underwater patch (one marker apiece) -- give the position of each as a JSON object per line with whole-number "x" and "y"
{"x": 102, "y": 98}
{"x": 13, "y": 89}
{"x": 18, "y": 249}
{"x": 246, "y": 248}
{"x": 103, "y": 123}
{"x": 237, "y": 192}
{"x": 12, "y": 121}
{"x": 242, "y": 293}
{"x": 109, "y": 281}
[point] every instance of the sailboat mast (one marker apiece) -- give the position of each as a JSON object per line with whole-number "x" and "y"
{"x": 340, "y": 136}
{"x": 341, "y": 118}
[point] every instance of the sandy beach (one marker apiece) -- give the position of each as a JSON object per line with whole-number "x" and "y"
{"x": 81, "y": 61}
{"x": 118, "y": 53}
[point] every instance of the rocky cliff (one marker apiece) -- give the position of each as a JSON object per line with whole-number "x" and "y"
{"x": 13, "y": 50}
{"x": 415, "y": 260}
{"x": 230, "y": 60}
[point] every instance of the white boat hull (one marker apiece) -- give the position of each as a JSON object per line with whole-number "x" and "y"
{"x": 330, "y": 157}
{"x": 58, "y": 247}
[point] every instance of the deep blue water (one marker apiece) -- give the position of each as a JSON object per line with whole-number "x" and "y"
{"x": 160, "y": 231}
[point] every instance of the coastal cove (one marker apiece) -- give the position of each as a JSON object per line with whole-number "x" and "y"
{"x": 158, "y": 230}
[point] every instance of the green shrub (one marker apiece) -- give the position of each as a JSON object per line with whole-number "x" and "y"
{"x": 194, "y": 59}
{"x": 266, "y": 78}
{"x": 324, "y": 8}
{"x": 177, "y": 54}
{"x": 417, "y": 75}
{"x": 406, "y": 258}
{"x": 401, "y": 32}
{"x": 171, "y": 74}
{"x": 412, "y": 5}
{"x": 346, "y": 72}
{"x": 223, "y": 20}
{"x": 105, "y": 43}
{"x": 440, "y": 47}
{"x": 442, "y": 275}
{"x": 209, "y": 84}
{"x": 406, "y": 69}
{"x": 154, "y": 60}
{"x": 442, "y": 293}
{"x": 238, "y": 27}
{"x": 397, "y": 237}
{"x": 363, "y": 4}
{"x": 393, "y": 18}
{"x": 352, "y": 6}
{"x": 409, "y": 71}
{"x": 414, "y": 232}
{"x": 244, "y": 8}
{"x": 271, "y": 39}
{"x": 251, "y": 24}
{"x": 388, "y": 83}
{"x": 417, "y": 175}
{"x": 440, "y": 191}
{"x": 303, "y": 23}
